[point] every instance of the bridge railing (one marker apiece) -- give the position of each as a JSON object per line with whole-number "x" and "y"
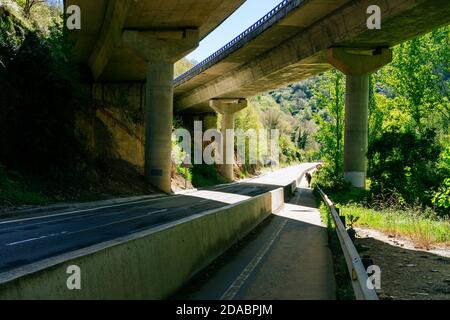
{"x": 272, "y": 17}
{"x": 355, "y": 266}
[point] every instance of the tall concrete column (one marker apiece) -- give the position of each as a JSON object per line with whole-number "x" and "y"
{"x": 160, "y": 49}
{"x": 357, "y": 65}
{"x": 356, "y": 129}
{"x": 228, "y": 145}
{"x": 158, "y": 124}
{"x": 228, "y": 108}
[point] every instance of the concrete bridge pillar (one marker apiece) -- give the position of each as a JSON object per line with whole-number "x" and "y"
{"x": 161, "y": 49}
{"x": 228, "y": 108}
{"x": 357, "y": 65}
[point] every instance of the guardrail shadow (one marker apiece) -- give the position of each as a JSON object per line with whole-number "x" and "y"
{"x": 407, "y": 273}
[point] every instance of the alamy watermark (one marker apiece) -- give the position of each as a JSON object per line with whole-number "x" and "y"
{"x": 251, "y": 146}
{"x": 74, "y": 280}
{"x": 374, "y": 20}
{"x": 374, "y": 277}
{"x": 73, "y": 21}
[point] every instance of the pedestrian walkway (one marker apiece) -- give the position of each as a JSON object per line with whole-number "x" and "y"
{"x": 288, "y": 259}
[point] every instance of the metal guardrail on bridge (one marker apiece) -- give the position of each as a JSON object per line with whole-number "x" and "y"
{"x": 275, "y": 15}
{"x": 355, "y": 266}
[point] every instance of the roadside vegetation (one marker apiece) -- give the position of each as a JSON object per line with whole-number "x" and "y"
{"x": 409, "y": 143}
{"x": 423, "y": 231}
{"x": 423, "y": 227}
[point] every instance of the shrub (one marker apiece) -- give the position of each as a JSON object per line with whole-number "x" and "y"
{"x": 404, "y": 163}
{"x": 205, "y": 175}
{"x": 441, "y": 198}
{"x": 39, "y": 100}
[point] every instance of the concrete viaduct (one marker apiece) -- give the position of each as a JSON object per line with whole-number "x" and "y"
{"x": 138, "y": 41}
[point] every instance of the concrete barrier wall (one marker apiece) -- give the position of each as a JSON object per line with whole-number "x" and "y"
{"x": 152, "y": 264}
{"x": 289, "y": 189}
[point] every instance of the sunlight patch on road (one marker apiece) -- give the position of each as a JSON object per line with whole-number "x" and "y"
{"x": 224, "y": 197}
{"x": 301, "y": 213}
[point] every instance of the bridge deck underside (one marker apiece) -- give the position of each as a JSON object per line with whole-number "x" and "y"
{"x": 123, "y": 65}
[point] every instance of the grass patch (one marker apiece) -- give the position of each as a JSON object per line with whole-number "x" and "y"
{"x": 424, "y": 232}
{"x": 185, "y": 172}
{"x": 14, "y": 192}
{"x": 205, "y": 176}
{"x": 422, "y": 226}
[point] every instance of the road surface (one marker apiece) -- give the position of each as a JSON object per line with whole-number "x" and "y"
{"x": 33, "y": 238}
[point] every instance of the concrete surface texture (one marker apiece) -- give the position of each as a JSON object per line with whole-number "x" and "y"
{"x": 158, "y": 125}
{"x": 116, "y": 130}
{"x": 288, "y": 259}
{"x": 356, "y": 129}
{"x": 99, "y": 42}
{"x": 144, "y": 249}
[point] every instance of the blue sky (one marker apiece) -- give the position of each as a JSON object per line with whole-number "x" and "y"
{"x": 250, "y": 12}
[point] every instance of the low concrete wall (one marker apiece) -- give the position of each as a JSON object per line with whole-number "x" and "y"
{"x": 289, "y": 189}
{"x": 152, "y": 264}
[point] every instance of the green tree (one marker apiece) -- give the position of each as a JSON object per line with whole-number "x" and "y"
{"x": 42, "y": 14}
{"x": 409, "y": 98}
{"x": 330, "y": 99}
{"x": 418, "y": 79}
{"x": 182, "y": 66}
{"x": 376, "y": 115}
{"x": 403, "y": 163}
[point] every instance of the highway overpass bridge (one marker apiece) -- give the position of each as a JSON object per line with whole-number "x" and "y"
{"x": 138, "y": 42}
{"x": 128, "y": 41}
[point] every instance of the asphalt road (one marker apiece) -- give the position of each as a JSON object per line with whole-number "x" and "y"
{"x": 30, "y": 239}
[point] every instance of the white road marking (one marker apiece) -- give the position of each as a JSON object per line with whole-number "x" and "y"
{"x": 77, "y": 211}
{"x": 68, "y": 218}
{"x": 239, "y": 282}
{"x": 34, "y": 239}
{"x": 87, "y": 229}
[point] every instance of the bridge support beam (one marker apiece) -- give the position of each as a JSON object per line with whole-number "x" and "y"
{"x": 160, "y": 49}
{"x": 357, "y": 65}
{"x": 228, "y": 108}
{"x": 356, "y": 129}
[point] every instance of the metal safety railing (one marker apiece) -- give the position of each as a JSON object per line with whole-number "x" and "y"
{"x": 355, "y": 266}
{"x": 272, "y": 17}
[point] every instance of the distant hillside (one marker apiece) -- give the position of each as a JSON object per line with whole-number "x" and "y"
{"x": 297, "y": 99}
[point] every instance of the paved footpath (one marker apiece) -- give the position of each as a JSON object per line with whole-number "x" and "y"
{"x": 288, "y": 258}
